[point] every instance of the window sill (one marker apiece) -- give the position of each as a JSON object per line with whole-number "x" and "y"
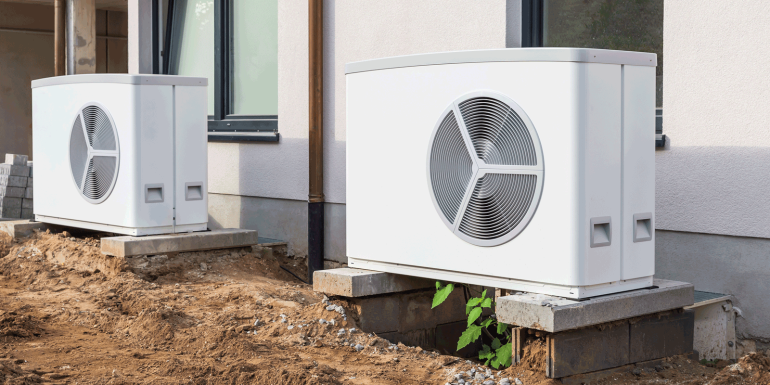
{"x": 243, "y": 136}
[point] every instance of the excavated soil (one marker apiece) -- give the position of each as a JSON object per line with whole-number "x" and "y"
{"x": 71, "y": 315}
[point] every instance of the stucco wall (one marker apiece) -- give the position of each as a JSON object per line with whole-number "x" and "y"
{"x": 354, "y": 30}
{"x": 713, "y": 176}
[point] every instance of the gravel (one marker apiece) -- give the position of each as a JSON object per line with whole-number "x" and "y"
{"x": 517, "y": 381}
{"x": 359, "y": 347}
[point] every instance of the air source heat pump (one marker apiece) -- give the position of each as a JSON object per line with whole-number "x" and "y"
{"x": 121, "y": 153}
{"x": 523, "y": 169}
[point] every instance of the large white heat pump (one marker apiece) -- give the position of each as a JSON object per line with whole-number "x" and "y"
{"x": 525, "y": 169}
{"x": 121, "y": 153}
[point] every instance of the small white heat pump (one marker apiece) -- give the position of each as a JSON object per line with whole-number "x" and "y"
{"x": 121, "y": 153}
{"x": 524, "y": 169}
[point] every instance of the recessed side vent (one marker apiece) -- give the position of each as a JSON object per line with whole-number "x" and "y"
{"x": 498, "y": 134}
{"x": 497, "y": 205}
{"x": 94, "y": 155}
{"x": 451, "y": 167}
{"x": 485, "y": 166}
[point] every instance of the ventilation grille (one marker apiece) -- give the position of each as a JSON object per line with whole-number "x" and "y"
{"x": 498, "y": 134}
{"x": 486, "y": 195}
{"x": 94, "y": 155}
{"x": 497, "y": 205}
{"x": 451, "y": 167}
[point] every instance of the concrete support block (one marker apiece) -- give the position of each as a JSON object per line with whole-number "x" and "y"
{"x": 26, "y": 203}
{"x": 27, "y": 214}
{"x": 22, "y": 228}
{"x": 587, "y": 350}
{"x": 15, "y": 170}
{"x": 13, "y": 181}
{"x": 127, "y": 246}
{"x": 348, "y": 282}
{"x": 409, "y": 319}
{"x": 28, "y": 193}
{"x": 12, "y": 192}
{"x": 660, "y": 336}
{"x": 554, "y": 314}
{"x": 20, "y": 160}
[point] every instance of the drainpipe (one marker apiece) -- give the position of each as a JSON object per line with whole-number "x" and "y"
{"x": 58, "y": 38}
{"x": 315, "y": 203}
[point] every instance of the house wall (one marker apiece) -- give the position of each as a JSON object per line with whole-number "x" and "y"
{"x": 255, "y": 173}
{"x": 712, "y": 177}
{"x": 27, "y": 53}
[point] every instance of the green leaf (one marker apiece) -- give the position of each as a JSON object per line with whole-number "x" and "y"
{"x": 486, "y": 353}
{"x": 471, "y": 303}
{"x": 486, "y": 322}
{"x": 469, "y": 335}
{"x": 438, "y": 285}
{"x": 501, "y": 327}
{"x": 487, "y": 302}
{"x": 442, "y": 294}
{"x": 495, "y": 363}
{"x": 474, "y": 315}
{"x": 496, "y": 343}
{"x": 484, "y": 293}
{"x": 504, "y": 354}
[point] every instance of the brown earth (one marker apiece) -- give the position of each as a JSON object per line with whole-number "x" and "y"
{"x": 71, "y": 315}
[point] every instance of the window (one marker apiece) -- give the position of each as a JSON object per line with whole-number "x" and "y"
{"x": 629, "y": 25}
{"x": 233, "y": 43}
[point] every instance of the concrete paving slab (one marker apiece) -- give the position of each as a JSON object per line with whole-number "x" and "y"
{"x": 12, "y": 192}
{"x": 16, "y": 159}
{"x": 12, "y": 169}
{"x": 13, "y": 181}
{"x": 127, "y": 246}
{"x": 554, "y": 314}
{"x": 21, "y": 228}
{"x": 350, "y": 282}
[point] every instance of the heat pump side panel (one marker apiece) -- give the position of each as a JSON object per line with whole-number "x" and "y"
{"x": 390, "y": 118}
{"x": 600, "y": 117}
{"x": 191, "y": 153}
{"x": 638, "y": 171}
{"x": 54, "y": 110}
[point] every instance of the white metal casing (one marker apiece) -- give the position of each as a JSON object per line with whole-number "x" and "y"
{"x": 593, "y": 111}
{"x": 161, "y": 126}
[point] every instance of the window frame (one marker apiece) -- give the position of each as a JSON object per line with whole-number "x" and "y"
{"x": 532, "y": 32}
{"x": 224, "y": 126}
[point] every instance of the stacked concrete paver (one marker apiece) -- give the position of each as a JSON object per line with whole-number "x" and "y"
{"x": 16, "y": 187}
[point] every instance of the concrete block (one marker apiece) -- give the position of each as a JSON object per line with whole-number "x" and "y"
{"x": 27, "y": 214}
{"x": 19, "y": 160}
{"x": 554, "y": 314}
{"x": 29, "y": 164}
{"x": 378, "y": 314}
{"x": 447, "y": 336}
{"x": 28, "y": 193}
{"x": 587, "y": 350}
{"x": 663, "y": 335}
{"x": 12, "y": 169}
{"x": 10, "y": 202}
{"x": 13, "y": 181}
{"x": 127, "y": 246}
{"x": 22, "y": 228}
{"x": 10, "y": 212}
{"x": 350, "y": 282}
{"x": 26, "y": 203}
{"x": 29, "y": 180}
{"x": 12, "y": 192}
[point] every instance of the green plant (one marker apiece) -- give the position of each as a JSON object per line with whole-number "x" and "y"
{"x": 498, "y": 352}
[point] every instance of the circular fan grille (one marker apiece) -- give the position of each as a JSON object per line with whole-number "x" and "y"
{"x": 485, "y": 168}
{"x": 94, "y": 154}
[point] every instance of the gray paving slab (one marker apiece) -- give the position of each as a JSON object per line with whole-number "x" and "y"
{"x": 27, "y": 203}
{"x": 10, "y": 202}
{"x": 350, "y": 282}
{"x": 13, "y": 181}
{"x": 29, "y": 180}
{"x": 22, "y": 228}
{"x": 12, "y": 169}
{"x": 12, "y": 192}
{"x": 127, "y": 246}
{"x": 19, "y": 160}
{"x": 554, "y": 314}
{"x": 27, "y": 214}
{"x": 28, "y": 193}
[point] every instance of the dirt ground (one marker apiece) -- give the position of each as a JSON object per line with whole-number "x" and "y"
{"x": 70, "y": 315}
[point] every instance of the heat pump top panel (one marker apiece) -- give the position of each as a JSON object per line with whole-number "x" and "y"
{"x": 577, "y": 55}
{"x": 158, "y": 80}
